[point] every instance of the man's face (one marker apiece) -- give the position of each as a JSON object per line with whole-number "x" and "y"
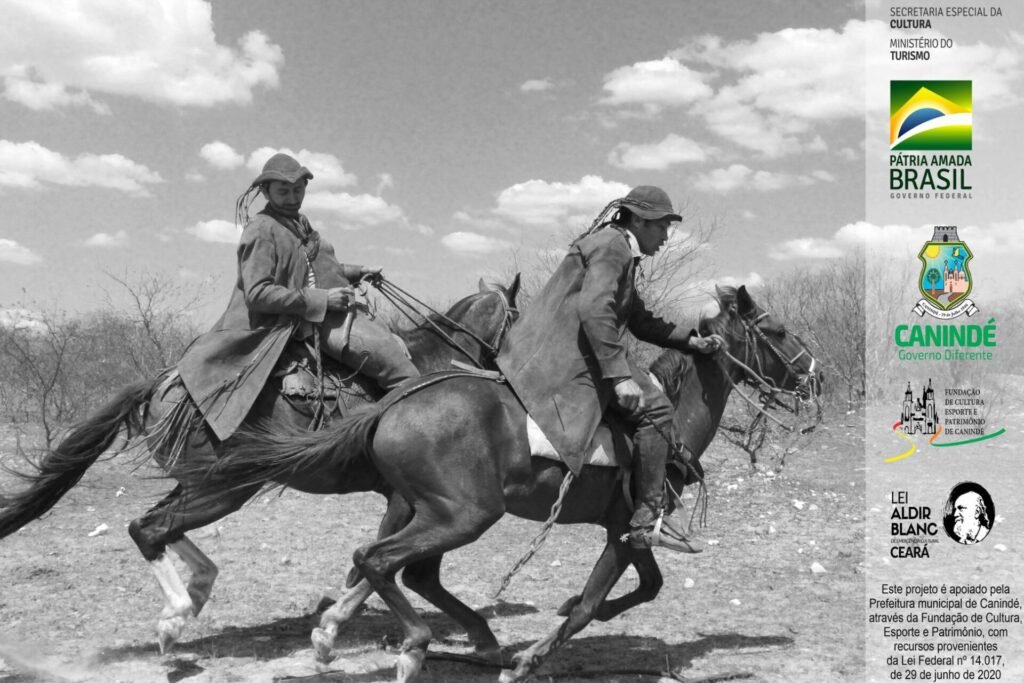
{"x": 966, "y": 513}
{"x": 286, "y": 197}
{"x": 651, "y": 234}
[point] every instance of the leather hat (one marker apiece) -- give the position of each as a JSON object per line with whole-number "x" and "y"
{"x": 284, "y": 168}
{"x": 650, "y": 202}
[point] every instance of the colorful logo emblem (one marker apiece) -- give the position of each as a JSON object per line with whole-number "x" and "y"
{"x": 930, "y": 115}
{"x": 945, "y": 279}
{"x": 949, "y": 417}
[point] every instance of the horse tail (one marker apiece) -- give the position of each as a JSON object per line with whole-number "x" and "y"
{"x": 257, "y": 456}
{"x": 61, "y": 468}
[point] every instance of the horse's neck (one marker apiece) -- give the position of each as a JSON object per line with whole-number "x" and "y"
{"x": 431, "y": 352}
{"x": 702, "y": 402}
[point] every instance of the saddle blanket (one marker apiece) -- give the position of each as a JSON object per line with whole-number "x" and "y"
{"x": 602, "y": 446}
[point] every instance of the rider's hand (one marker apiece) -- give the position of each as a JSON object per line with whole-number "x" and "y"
{"x": 629, "y": 395}
{"x": 710, "y": 344}
{"x": 371, "y": 273}
{"x": 338, "y": 298}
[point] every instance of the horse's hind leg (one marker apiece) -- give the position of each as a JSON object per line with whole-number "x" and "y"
{"x": 435, "y": 529}
{"x": 613, "y": 561}
{"x": 396, "y": 516}
{"x": 165, "y": 524}
{"x": 651, "y": 582}
{"x": 204, "y": 572}
{"x": 424, "y": 577}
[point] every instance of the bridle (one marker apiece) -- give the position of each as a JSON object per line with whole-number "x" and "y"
{"x": 770, "y": 394}
{"x": 403, "y": 301}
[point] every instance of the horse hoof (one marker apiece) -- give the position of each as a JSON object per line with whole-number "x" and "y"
{"x": 168, "y": 631}
{"x": 509, "y": 676}
{"x": 567, "y": 606}
{"x": 409, "y": 664}
{"x": 199, "y": 599}
{"x": 323, "y": 643}
{"x": 490, "y": 654}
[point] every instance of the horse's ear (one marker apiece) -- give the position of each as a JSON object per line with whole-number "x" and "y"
{"x": 484, "y": 287}
{"x": 746, "y": 304}
{"x": 719, "y": 294}
{"x": 513, "y": 289}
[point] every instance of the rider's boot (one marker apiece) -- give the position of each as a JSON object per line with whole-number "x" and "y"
{"x": 373, "y": 351}
{"x": 649, "y": 526}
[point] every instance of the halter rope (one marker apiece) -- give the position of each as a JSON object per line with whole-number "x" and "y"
{"x": 769, "y": 392}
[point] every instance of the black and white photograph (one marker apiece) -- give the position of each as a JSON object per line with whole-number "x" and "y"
{"x": 479, "y": 340}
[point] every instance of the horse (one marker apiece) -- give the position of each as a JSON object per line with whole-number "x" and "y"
{"x": 160, "y": 412}
{"x": 456, "y": 452}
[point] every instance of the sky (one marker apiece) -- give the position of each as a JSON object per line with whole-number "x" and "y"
{"x": 449, "y": 140}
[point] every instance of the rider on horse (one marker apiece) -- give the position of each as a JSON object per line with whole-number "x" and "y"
{"x": 566, "y": 358}
{"x": 290, "y": 286}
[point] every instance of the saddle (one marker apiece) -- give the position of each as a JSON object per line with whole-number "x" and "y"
{"x": 300, "y": 381}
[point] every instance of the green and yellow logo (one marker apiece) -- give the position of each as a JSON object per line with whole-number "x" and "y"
{"x": 930, "y": 115}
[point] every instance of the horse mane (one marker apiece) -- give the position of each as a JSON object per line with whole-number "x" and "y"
{"x": 669, "y": 368}
{"x": 719, "y": 323}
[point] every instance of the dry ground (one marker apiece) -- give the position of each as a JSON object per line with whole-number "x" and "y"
{"x": 81, "y": 607}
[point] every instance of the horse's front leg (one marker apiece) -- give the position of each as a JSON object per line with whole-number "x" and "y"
{"x": 606, "y": 573}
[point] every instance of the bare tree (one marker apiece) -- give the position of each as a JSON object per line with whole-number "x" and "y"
{"x": 826, "y": 308}
{"x": 158, "y": 323}
{"x": 54, "y": 367}
{"x": 38, "y": 363}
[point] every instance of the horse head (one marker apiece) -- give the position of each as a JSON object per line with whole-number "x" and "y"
{"x": 471, "y": 331}
{"x": 760, "y": 350}
{"x": 499, "y": 317}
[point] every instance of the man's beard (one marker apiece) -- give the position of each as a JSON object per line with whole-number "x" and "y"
{"x": 291, "y": 210}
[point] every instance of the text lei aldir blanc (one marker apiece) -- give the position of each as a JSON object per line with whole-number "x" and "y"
{"x": 945, "y": 632}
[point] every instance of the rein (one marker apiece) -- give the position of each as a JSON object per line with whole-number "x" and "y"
{"x": 403, "y": 302}
{"x": 768, "y": 392}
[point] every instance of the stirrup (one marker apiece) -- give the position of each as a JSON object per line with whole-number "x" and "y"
{"x": 642, "y": 538}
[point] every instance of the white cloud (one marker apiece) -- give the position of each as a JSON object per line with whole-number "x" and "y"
{"x": 737, "y": 176}
{"x": 354, "y": 212}
{"x": 807, "y": 248}
{"x": 221, "y": 155}
{"x": 655, "y": 84}
{"x": 751, "y": 280}
{"x": 537, "y": 85}
{"x": 854, "y": 237}
{"x": 543, "y": 203}
{"x": 62, "y": 53}
{"x": 1002, "y": 237}
{"x": 22, "y": 319}
{"x": 217, "y": 230}
{"x": 384, "y": 182}
{"x": 473, "y": 243}
{"x": 103, "y": 239}
{"x": 19, "y": 87}
{"x": 674, "y": 149}
{"x": 12, "y": 252}
{"x": 326, "y": 168}
{"x": 30, "y": 165}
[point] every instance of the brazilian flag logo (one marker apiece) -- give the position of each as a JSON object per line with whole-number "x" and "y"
{"x": 930, "y": 115}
